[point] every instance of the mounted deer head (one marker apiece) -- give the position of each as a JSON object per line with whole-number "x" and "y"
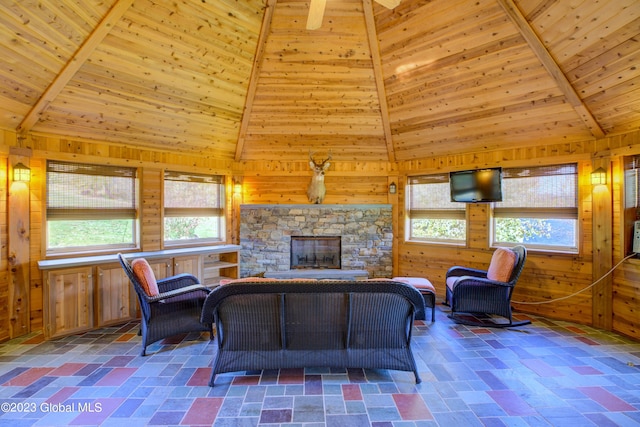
{"x": 317, "y": 190}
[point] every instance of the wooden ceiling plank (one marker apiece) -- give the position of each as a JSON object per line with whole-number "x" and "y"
{"x": 74, "y": 64}
{"x": 551, "y": 66}
{"x": 379, "y": 77}
{"x": 255, "y": 73}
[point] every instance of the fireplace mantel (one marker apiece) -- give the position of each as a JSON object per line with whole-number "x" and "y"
{"x": 327, "y": 273}
{"x": 318, "y": 206}
{"x": 366, "y": 231}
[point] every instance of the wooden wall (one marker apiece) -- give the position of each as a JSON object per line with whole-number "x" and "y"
{"x": 286, "y": 182}
{"x": 6, "y": 139}
{"x": 546, "y": 277}
{"x": 43, "y": 147}
{"x": 549, "y": 277}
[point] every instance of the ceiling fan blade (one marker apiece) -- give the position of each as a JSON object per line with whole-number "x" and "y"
{"x": 389, "y": 4}
{"x": 316, "y": 13}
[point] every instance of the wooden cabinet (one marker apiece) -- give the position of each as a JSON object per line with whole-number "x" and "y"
{"x": 115, "y": 299}
{"x": 88, "y": 292}
{"x": 166, "y": 267}
{"x": 188, "y": 264}
{"x": 69, "y": 299}
{"x": 209, "y": 268}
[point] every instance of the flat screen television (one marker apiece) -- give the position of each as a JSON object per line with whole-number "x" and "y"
{"x": 476, "y": 186}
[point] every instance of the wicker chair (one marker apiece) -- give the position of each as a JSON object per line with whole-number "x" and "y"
{"x": 175, "y": 310}
{"x": 474, "y": 297}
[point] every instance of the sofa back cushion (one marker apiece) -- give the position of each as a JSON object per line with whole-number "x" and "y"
{"x": 143, "y": 272}
{"x": 502, "y": 263}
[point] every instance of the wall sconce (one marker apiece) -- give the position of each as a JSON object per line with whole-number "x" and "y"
{"x": 599, "y": 177}
{"x": 393, "y": 188}
{"x": 21, "y": 173}
{"x": 237, "y": 186}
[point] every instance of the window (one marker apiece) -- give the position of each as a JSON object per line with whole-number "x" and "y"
{"x": 90, "y": 207}
{"x": 631, "y": 201}
{"x": 432, "y": 216}
{"x": 539, "y": 208}
{"x": 193, "y": 208}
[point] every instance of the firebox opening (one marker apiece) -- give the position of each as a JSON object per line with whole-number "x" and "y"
{"x": 315, "y": 252}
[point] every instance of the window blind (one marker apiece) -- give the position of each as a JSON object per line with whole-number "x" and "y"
{"x": 85, "y": 191}
{"x": 184, "y": 193}
{"x": 543, "y": 187}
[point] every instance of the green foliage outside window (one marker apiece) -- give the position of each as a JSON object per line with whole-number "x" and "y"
{"x": 181, "y": 228}
{"x": 74, "y": 233}
{"x": 446, "y": 229}
{"x": 521, "y": 230}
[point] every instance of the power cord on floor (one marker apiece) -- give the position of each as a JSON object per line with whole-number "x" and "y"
{"x": 580, "y": 291}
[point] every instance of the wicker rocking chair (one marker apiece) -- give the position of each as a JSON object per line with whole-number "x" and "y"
{"x": 476, "y": 295}
{"x": 174, "y": 309}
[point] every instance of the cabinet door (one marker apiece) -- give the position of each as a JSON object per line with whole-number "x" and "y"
{"x": 162, "y": 267}
{"x": 70, "y": 301}
{"x": 188, "y": 264}
{"x": 115, "y": 297}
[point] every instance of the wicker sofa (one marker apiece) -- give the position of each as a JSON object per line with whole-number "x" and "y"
{"x": 275, "y": 324}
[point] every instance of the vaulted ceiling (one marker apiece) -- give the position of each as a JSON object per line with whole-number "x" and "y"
{"x": 245, "y": 80}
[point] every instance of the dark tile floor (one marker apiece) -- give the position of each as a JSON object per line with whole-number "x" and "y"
{"x": 548, "y": 373}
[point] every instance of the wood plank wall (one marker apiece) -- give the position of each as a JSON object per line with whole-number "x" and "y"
{"x": 6, "y": 138}
{"x": 546, "y": 277}
{"x": 286, "y": 182}
{"x": 36, "y": 235}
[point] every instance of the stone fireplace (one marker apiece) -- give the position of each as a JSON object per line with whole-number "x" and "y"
{"x": 362, "y": 235}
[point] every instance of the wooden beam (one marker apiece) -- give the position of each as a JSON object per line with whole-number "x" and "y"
{"x": 374, "y": 47}
{"x": 389, "y": 4}
{"x": 551, "y": 66}
{"x": 255, "y": 73}
{"x": 602, "y": 293}
{"x": 316, "y": 13}
{"x": 75, "y": 62}
{"x": 18, "y": 219}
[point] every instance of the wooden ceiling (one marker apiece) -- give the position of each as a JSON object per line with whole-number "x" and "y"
{"x": 245, "y": 80}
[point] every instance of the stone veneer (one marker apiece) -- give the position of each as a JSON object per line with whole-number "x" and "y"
{"x": 366, "y": 231}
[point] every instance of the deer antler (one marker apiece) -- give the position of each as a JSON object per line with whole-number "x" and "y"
{"x": 311, "y": 153}
{"x": 327, "y": 159}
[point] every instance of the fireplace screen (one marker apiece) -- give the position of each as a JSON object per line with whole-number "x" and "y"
{"x": 315, "y": 252}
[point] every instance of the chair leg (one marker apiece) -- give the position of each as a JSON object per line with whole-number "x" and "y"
{"x": 430, "y": 301}
{"x": 433, "y": 308}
